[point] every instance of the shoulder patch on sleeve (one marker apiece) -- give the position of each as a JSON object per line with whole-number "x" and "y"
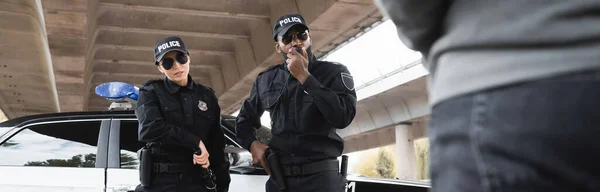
{"x": 347, "y": 80}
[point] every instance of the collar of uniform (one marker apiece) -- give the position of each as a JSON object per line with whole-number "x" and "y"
{"x": 312, "y": 61}
{"x": 172, "y": 87}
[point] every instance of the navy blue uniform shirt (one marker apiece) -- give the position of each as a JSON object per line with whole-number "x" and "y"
{"x": 179, "y": 117}
{"x": 304, "y": 117}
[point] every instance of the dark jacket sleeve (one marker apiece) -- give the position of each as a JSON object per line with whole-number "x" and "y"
{"x": 248, "y": 120}
{"x": 153, "y": 128}
{"x": 336, "y": 102}
{"x": 419, "y": 23}
{"x": 218, "y": 162}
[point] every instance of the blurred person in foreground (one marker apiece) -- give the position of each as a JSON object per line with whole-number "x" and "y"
{"x": 514, "y": 91}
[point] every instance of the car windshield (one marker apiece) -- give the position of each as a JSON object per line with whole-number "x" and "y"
{"x": 4, "y": 130}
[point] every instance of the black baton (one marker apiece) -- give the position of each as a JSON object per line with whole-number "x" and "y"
{"x": 208, "y": 176}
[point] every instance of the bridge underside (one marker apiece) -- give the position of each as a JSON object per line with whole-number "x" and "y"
{"x": 54, "y": 52}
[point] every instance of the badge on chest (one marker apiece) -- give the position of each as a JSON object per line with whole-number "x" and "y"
{"x": 202, "y": 105}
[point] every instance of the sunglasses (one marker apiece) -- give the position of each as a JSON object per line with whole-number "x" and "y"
{"x": 168, "y": 62}
{"x": 287, "y": 38}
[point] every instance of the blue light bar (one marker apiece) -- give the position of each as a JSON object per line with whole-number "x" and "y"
{"x": 117, "y": 91}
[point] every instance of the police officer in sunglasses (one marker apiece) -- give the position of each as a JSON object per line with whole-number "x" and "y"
{"x": 308, "y": 101}
{"x": 178, "y": 117}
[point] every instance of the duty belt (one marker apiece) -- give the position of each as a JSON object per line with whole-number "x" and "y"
{"x": 310, "y": 168}
{"x": 170, "y": 168}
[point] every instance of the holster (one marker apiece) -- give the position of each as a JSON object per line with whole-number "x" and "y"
{"x": 145, "y": 157}
{"x": 275, "y": 169}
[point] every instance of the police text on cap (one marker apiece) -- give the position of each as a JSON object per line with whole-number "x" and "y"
{"x": 168, "y": 45}
{"x": 289, "y": 19}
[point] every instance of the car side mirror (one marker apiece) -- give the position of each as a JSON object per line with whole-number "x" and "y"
{"x": 238, "y": 157}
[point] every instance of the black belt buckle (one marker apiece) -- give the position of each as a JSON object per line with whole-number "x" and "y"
{"x": 161, "y": 167}
{"x": 295, "y": 170}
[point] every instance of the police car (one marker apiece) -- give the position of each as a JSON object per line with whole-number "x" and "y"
{"x": 97, "y": 151}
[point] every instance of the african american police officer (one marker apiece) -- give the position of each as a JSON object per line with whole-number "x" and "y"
{"x": 308, "y": 100}
{"x": 180, "y": 117}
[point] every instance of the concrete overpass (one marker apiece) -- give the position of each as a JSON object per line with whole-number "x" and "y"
{"x": 54, "y": 52}
{"x": 392, "y": 109}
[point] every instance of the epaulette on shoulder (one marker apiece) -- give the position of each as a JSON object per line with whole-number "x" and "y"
{"x": 151, "y": 81}
{"x": 269, "y": 69}
{"x": 208, "y": 88}
{"x": 334, "y": 64}
{"x": 211, "y": 90}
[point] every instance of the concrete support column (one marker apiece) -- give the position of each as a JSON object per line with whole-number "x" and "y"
{"x": 405, "y": 135}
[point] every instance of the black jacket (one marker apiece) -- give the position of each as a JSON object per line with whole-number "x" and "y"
{"x": 179, "y": 117}
{"x": 304, "y": 116}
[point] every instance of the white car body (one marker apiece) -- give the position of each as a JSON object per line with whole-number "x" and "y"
{"x": 38, "y": 141}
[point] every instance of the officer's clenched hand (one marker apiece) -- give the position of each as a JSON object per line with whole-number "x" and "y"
{"x": 298, "y": 64}
{"x": 202, "y": 159}
{"x": 258, "y": 153}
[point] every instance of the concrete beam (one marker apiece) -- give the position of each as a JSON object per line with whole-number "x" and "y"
{"x": 151, "y": 49}
{"x": 148, "y": 40}
{"x": 216, "y": 81}
{"x": 68, "y": 77}
{"x": 66, "y": 5}
{"x": 146, "y": 64}
{"x": 398, "y": 104}
{"x": 70, "y": 89}
{"x": 171, "y": 32}
{"x": 65, "y": 19}
{"x": 133, "y": 70}
{"x": 17, "y": 8}
{"x": 103, "y": 77}
{"x": 46, "y": 53}
{"x": 230, "y": 66}
{"x": 245, "y": 57}
{"x": 253, "y": 7}
{"x": 92, "y": 34}
{"x": 179, "y": 11}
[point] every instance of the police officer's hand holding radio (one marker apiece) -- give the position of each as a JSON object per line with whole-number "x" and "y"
{"x": 297, "y": 63}
{"x": 178, "y": 118}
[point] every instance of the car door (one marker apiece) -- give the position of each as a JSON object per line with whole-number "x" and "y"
{"x": 123, "y": 163}
{"x": 67, "y": 156}
{"x": 122, "y": 174}
{"x": 360, "y": 184}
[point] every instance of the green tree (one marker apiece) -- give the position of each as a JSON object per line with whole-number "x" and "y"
{"x": 128, "y": 161}
{"x": 367, "y": 165}
{"x": 88, "y": 160}
{"x": 421, "y": 147}
{"x": 385, "y": 165}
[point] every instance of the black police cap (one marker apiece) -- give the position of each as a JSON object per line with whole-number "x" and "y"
{"x": 163, "y": 46}
{"x": 285, "y": 22}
